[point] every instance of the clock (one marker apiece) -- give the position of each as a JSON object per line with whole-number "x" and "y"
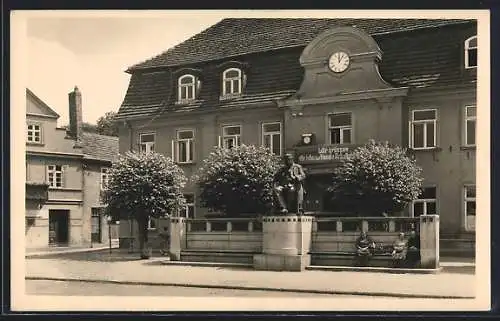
{"x": 307, "y": 139}
{"x": 339, "y": 61}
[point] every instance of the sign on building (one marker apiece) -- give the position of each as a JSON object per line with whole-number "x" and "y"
{"x": 324, "y": 153}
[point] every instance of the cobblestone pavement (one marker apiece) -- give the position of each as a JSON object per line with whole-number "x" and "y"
{"x": 126, "y": 268}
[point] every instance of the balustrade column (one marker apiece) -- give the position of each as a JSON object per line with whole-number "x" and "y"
{"x": 429, "y": 241}
{"x": 392, "y": 226}
{"x": 177, "y": 237}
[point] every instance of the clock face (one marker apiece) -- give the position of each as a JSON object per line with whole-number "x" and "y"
{"x": 307, "y": 139}
{"x": 339, "y": 61}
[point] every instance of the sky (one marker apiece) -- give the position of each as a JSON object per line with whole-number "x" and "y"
{"x": 93, "y": 54}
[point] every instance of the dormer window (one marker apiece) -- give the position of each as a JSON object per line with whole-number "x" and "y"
{"x": 231, "y": 82}
{"x": 187, "y": 88}
{"x": 470, "y": 47}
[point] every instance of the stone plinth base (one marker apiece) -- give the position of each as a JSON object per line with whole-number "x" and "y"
{"x": 276, "y": 262}
{"x": 286, "y": 241}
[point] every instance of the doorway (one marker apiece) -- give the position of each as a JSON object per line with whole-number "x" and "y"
{"x": 96, "y": 225}
{"x": 58, "y": 227}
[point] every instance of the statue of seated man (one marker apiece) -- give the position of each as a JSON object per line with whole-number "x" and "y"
{"x": 288, "y": 186}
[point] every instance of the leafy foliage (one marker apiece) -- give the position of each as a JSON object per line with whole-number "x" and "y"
{"x": 374, "y": 179}
{"x": 89, "y": 128}
{"x": 107, "y": 125}
{"x": 238, "y": 180}
{"x": 143, "y": 185}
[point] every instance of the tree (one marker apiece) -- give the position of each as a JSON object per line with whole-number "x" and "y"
{"x": 141, "y": 186}
{"x": 374, "y": 179}
{"x": 89, "y": 128}
{"x": 107, "y": 124}
{"x": 238, "y": 181}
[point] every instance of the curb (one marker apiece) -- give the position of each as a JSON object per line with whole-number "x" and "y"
{"x": 254, "y": 288}
{"x": 373, "y": 269}
{"x": 207, "y": 264}
{"x": 311, "y": 267}
{"x": 69, "y": 251}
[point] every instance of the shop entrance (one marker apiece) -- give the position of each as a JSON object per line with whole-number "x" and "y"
{"x": 96, "y": 225}
{"x": 59, "y": 227}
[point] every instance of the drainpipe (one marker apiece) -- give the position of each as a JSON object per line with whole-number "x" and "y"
{"x": 131, "y": 220}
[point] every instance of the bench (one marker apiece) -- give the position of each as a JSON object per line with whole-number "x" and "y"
{"x": 381, "y": 257}
{"x": 339, "y": 258}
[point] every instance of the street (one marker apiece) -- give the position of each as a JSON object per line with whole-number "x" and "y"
{"x": 103, "y": 273}
{"x": 48, "y": 287}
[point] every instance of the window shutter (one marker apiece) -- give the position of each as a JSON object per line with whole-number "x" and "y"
{"x": 244, "y": 81}
{"x": 64, "y": 176}
{"x": 410, "y": 135}
{"x": 41, "y": 133}
{"x": 198, "y": 88}
{"x": 436, "y": 133}
{"x": 173, "y": 150}
{"x": 193, "y": 147}
{"x": 47, "y": 174}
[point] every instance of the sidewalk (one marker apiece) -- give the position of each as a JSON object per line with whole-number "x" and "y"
{"x": 130, "y": 270}
{"x": 32, "y": 253}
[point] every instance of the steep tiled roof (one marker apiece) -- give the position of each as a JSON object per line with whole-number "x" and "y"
{"x": 99, "y": 147}
{"x": 425, "y": 58}
{"x": 240, "y": 36}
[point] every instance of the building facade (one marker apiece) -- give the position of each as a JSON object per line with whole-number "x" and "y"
{"x": 318, "y": 88}
{"x": 65, "y": 172}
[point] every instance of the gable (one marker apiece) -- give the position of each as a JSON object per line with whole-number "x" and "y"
{"x": 35, "y": 106}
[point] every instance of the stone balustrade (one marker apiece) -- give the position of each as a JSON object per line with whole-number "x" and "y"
{"x": 326, "y": 234}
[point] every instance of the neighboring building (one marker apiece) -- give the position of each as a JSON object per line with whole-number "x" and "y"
{"x": 65, "y": 171}
{"x": 318, "y": 88}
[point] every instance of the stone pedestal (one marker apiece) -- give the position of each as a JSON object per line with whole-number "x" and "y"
{"x": 177, "y": 237}
{"x": 429, "y": 241}
{"x": 286, "y": 241}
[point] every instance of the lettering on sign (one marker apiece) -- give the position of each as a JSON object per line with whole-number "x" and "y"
{"x": 325, "y": 153}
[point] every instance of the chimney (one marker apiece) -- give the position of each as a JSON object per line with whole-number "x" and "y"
{"x": 75, "y": 114}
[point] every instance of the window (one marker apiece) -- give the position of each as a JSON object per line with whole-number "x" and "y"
{"x": 470, "y": 207}
{"x": 147, "y": 143}
{"x": 34, "y": 133}
{"x": 151, "y": 223}
{"x": 271, "y": 137}
{"x": 184, "y": 146}
{"x": 423, "y": 129}
{"x": 426, "y": 202}
{"x": 470, "y": 47}
{"x": 340, "y": 128}
{"x": 104, "y": 177}
{"x": 231, "y": 82}
{"x": 187, "y": 88}
{"x": 55, "y": 175}
{"x": 188, "y": 210}
{"x": 231, "y": 136}
{"x": 470, "y": 125}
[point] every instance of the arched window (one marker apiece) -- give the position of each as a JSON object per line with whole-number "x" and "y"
{"x": 470, "y": 47}
{"x": 231, "y": 82}
{"x": 187, "y": 87}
